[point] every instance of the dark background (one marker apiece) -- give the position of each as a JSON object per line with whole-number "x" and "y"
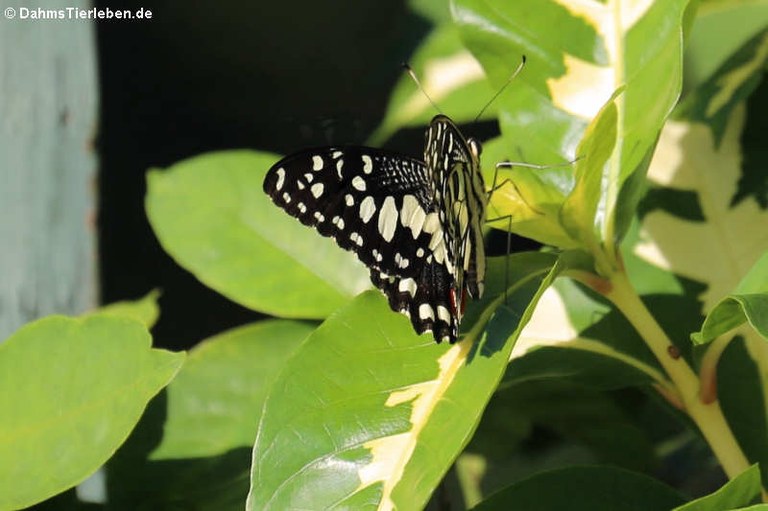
{"x": 205, "y": 76}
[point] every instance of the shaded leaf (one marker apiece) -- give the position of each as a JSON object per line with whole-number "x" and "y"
{"x": 740, "y": 387}
{"x": 585, "y": 488}
{"x": 215, "y": 402}
{"x": 739, "y": 491}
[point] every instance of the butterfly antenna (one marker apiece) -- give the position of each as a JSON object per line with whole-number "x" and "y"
{"x": 498, "y": 93}
{"x": 415, "y": 79}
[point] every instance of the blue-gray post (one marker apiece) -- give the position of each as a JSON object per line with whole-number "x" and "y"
{"x": 48, "y": 121}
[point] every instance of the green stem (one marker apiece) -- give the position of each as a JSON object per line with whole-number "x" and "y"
{"x": 707, "y": 416}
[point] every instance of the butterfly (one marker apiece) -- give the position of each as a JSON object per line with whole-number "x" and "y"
{"x": 415, "y": 224}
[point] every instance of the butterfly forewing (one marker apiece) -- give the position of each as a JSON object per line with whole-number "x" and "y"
{"x": 416, "y": 225}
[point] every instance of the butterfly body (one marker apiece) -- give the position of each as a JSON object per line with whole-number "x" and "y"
{"x": 415, "y": 224}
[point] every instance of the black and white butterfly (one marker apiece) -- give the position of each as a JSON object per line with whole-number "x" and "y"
{"x": 415, "y": 224}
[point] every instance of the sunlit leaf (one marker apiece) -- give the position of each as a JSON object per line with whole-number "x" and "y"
{"x": 212, "y": 216}
{"x": 71, "y": 390}
{"x": 572, "y": 72}
{"x": 368, "y": 412}
{"x": 144, "y": 309}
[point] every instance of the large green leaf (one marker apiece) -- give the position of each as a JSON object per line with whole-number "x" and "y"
{"x": 688, "y": 159}
{"x": 572, "y": 72}
{"x": 368, "y": 415}
{"x": 71, "y": 390}
{"x": 212, "y": 216}
{"x": 585, "y": 488}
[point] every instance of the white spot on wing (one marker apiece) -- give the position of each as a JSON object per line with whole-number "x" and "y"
{"x": 358, "y": 183}
{"x": 367, "y": 209}
{"x": 280, "y": 178}
{"x": 367, "y": 164}
{"x": 317, "y": 189}
{"x": 349, "y": 200}
{"x": 309, "y": 177}
{"x": 426, "y": 312}
{"x": 412, "y": 215}
{"x": 317, "y": 163}
{"x": 443, "y": 314}
{"x": 407, "y": 286}
{"x": 286, "y": 198}
{"x": 388, "y": 219}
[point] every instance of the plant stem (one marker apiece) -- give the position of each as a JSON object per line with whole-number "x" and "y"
{"x": 707, "y": 416}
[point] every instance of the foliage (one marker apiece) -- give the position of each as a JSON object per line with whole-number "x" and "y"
{"x": 611, "y": 370}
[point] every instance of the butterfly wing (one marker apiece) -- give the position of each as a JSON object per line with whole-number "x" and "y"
{"x": 372, "y": 202}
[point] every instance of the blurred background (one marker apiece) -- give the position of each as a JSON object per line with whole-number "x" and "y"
{"x": 200, "y": 77}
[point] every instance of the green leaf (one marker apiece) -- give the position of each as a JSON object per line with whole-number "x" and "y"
{"x": 585, "y": 488}
{"x": 71, "y": 390}
{"x": 449, "y": 74}
{"x": 721, "y": 29}
{"x": 687, "y": 159}
{"x": 741, "y": 379}
{"x": 529, "y": 198}
{"x": 211, "y": 215}
{"x": 436, "y": 11}
{"x": 192, "y": 449}
{"x": 582, "y": 361}
{"x": 573, "y": 71}
{"x": 577, "y": 425}
{"x": 749, "y": 303}
{"x": 713, "y": 101}
{"x": 576, "y": 336}
{"x": 144, "y": 310}
{"x": 739, "y": 491}
{"x": 215, "y": 402}
{"x": 368, "y": 412}
{"x": 580, "y": 210}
